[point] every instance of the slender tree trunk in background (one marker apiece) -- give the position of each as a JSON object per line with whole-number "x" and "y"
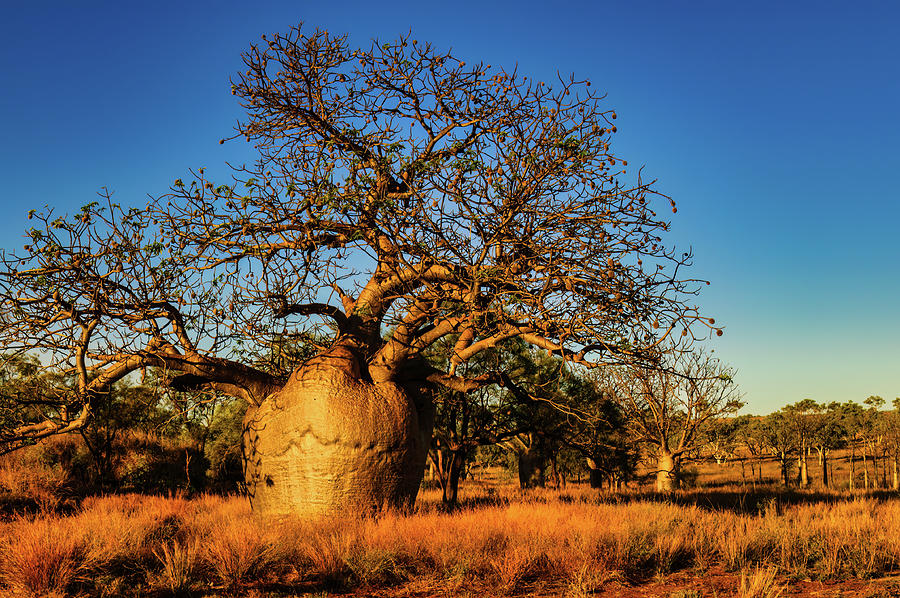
{"x": 865, "y": 470}
{"x": 823, "y": 462}
{"x": 743, "y": 473}
{"x": 784, "y": 470}
{"x": 595, "y": 476}
{"x": 666, "y": 474}
{"x": 895, "y": 475}
{"x": 874, "y": 467}
{"x": 759, "y": 471}
{"x": 852, "y": 468}
{"x": 558, "y": 480}
{"x": 804, "y": 468}
{"x": 451, "y": 488}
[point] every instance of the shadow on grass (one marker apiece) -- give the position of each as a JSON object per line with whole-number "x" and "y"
{"x": 772, "y": 500}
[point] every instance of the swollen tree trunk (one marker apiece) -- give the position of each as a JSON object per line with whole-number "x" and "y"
{"x": 332, "y": 441}
{"x": 666, "y": 471}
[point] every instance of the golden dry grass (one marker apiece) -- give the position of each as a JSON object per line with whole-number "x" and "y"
{"x": 571, "y": 542}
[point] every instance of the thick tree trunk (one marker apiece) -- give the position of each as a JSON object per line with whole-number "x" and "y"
{"x": 666, "y": 471}
{"x": 823, "y": 461}
{"x": 531, "y": 468}
{"x": 333, "y": 442}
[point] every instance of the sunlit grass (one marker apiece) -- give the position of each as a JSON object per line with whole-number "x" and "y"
{"x": 572, "y": 541}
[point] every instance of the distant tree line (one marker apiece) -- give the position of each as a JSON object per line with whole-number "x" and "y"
{"x": 550, "y": 422}
{"x": 804, "y": 438}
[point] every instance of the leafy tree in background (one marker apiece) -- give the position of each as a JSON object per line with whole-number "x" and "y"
{"x": 830, "y": 434}
{"x": 891, "y": 427}
{"x": 400, "y": 196}
{"x": 853, "y": 419}
{"x": 750, "y": 433}
{"x": 597, "y": 429}
{"x": 780, "y": 439}
{"x": 805, "y": 422}
{"x": 872, "y": 436}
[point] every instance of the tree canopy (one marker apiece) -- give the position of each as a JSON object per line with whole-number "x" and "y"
{"x": 400, "y": 196}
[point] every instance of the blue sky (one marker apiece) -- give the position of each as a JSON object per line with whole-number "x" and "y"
{"x": 774, "y": 125}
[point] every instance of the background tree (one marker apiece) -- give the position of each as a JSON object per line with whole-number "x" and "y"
{"x": 891, "y": 427}
{"x": 853, "y": 420}
{"x": 400, "y": 196}
{"x": 781, "y": 440}
{"x": 871, "y": 434}
{"x": 830, "y": 434}
{"x": 597, "y": 429}
{"x": 750, "y": 433}
{"x": 805, "y": 421}
{"x": 668, "y": 405}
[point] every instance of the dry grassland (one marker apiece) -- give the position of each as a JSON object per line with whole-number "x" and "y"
{"x": 574, "y": 543}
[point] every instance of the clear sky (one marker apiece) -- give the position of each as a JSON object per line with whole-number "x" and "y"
{"x": 773, "y": 124}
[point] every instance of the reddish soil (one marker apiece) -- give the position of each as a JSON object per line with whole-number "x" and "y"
{"x": 711, "y": 584}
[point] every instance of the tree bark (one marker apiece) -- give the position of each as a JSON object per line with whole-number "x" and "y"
{"x": 874, "y": 467}
{"x": 784, "y": 469}
{"x": 531, "y": 468}
{"x": 331, "y": 441}
{"x": 865, "y": 469}
{"x": 823, "y": 459}
{"x": 450, "y": 467}
{"x": 895, "y": 474}
{"x": 595, "y": 475}
{"x": 450, "y": 489}
{"x": 804, "y": 468}
{"x": 666, "y": 471}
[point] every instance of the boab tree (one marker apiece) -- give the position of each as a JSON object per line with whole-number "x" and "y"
{"x": 400, "y": 196}
{"x": 668, "y": 404}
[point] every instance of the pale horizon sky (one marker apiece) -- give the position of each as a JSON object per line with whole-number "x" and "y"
{"x": 773, "y": 125}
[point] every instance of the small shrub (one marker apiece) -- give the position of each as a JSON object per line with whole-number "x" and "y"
{"x": 238, "y": 552}
{"x": 179, "y": 564}
{"x": 759, "y": 584}
{"x": 513, "y": 565}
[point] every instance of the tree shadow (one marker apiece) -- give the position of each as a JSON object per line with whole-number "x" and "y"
{"x": 761, "y": 501}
